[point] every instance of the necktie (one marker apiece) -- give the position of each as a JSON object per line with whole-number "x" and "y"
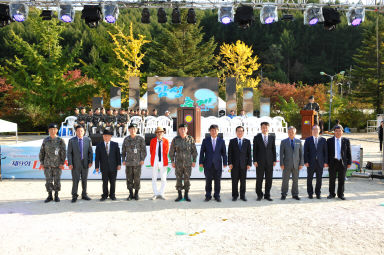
{"x": 265, "y": 141}
{"x": 338, "y": 149}
{"x": 316, "y": 142}
{"x": 214, "y": 144}
{"x": 107, "y": 149}
{"x": 292, "y": 145}
{"x": 159, "y": 151}
{"x": 240, "y": 144}
{"x": 81, "y": 147}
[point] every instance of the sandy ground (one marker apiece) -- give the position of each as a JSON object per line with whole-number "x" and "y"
{"x": 28, "y": 226}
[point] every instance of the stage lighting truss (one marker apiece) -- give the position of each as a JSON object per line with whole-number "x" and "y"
{"x": 268, "y": 14}
{"x": 355, "y": 15}
{"x": 66, "y": 13}
{"x": 111, "y": 12}
{"x": 18, "y": 11}
{"x": 226, "y": 14}
{"x": 92, "y": 15}
{"x": 313, "y": 14}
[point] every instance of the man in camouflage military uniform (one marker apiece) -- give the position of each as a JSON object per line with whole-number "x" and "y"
{"x": 52, "y": 156}
{"x": 183, "y": 156}
{"x": 110, "y": 120}
{"x": 122, "y": 120}
{"x": 82, "y": 118}
{"x": 89, "y": 121}
{"x": 77, "y": 113}
{"x": 133, "y": 155}
{"x": 97, "y": 120}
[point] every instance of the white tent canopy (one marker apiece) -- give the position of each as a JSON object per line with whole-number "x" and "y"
{"x": 6, "y": 126}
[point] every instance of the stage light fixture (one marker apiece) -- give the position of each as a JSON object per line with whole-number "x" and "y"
{"x": 66, "y": 13}
{"x": 46, "y": 14}
{"x": 244, "y": 16}
{"x": 161, "y": 16}
{"x": 92, "y": 15}
{"x": 331, "y": 18}
{"x": 191, "y": 16}
{"x": 19, "y": 11}
{"x": 355, "y": 15}
{"x": 226, "y": 14}
{"x": 110, "y": 12}
{"x": 176, "y": 16}
{"x": 145, "y": 16}
{"x": 313, "y": 14}
{"x": 268, "y": 14}
{"x": 5, "y": 18}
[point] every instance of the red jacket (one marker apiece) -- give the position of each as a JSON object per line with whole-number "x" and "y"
{"x": 164, "y": 150}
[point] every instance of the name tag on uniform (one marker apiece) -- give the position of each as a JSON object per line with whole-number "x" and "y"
{"x": 57, "y": 152}
{"x": 135, "y": 150}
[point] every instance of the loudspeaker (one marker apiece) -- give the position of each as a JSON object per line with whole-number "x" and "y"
{"x": 148, "y": 138}
{"x": 96, "y": 139}
{"x": 207, "y": 135}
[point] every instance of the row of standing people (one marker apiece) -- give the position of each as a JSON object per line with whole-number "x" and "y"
{"x": 318, "y": 153}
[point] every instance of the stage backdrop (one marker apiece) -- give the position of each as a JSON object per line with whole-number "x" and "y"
{"x": 23, "y": 162}
{"x": 169, "y": 93}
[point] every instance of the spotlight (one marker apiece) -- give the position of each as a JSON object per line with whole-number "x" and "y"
{"x": 268, "y": 14}
{"x": 191, "y": 16}
{"x": 161, "y": 16}
{"x": 145, "y": 16}
{"x": 176, "y": 16}
{"x": 111, "y": 12}
{"x": 244, "y": 16}
{"x": 92, "y": 15}
{"x": 66, "y": 13}
{"x": 313, "y": 14}
{"x": 19, "y": 11}
{"x": 226, "y": 14}
{"x": 46, "y": 14}
{"x": 5, "y": 18}
{"x": 331, "y": 18}
{"x": 355, "y": 16}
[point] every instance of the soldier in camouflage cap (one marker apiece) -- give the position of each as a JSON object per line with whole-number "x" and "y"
{"x": 52, "y": 157}
{"x": 133, "y": 155}
{"x": 183, "y": 156}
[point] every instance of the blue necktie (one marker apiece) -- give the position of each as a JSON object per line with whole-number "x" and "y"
{"x": 292, "y": 145}
{"x": 81, "y": 147}
{"x": 240, "y": 144}
{"x": 338, "y": 149}
{"x": 214, "y": 144}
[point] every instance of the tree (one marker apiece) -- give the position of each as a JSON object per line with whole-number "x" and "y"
{"x": 179, "y": 50}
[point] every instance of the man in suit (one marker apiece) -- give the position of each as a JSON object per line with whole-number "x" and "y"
{"x": 159, "y": 147}
{"x": 291, "y": 161}
{"x": 80, "y": 157}
{"x": 239, "y": 160}
{"x": 213, "y": 154}
{"x": 340, "y": 159}
{"x": 108, "y": 159}
{"x": 315, "y": 159}
{"x": 264, "y": 158}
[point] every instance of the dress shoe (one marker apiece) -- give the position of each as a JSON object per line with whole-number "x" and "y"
{"x": 258, "y": 198}
{"x": 243, "y": 198}
{"x": 57, "y": 199}
{"x": 310, "y": 196}
{"x": 74, "y": 199}
{"x": 283, "y": 197}
{"x": 103, "y": 198}
{"x": 207, "y": 199}
{"x": 113, "y": 198}
{"x": 268, "y": 198}
{"x": 218, "y": 199}
{"x": 154, "y": 197}
{"x": 296, "y": 197}
{"x": 86, "y": 197}
{"x": 342, "y": 198}
{"x": 330, "y": 197}
{"x": 318, "y": 196}
{"x": 49, "y": 198}
{"x": 162, "y": 197}
{"x": 234, "y": 198}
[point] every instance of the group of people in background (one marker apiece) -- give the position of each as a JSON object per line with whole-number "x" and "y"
{"x": 316, "y": 154}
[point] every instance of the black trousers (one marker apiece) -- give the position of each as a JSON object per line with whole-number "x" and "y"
{"x": 237, "y": 174}
{"x": 339, "y": 170}
{"x": 381, "y": 144}
{"x": 263, "y": 171}
{"x": 311, "y": 170}
{"x": 212, "y": 173}
{"x": 77, "y": 173}
{"x": 109, "y": 176}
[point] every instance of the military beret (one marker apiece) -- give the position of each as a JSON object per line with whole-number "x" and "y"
{"x": 107, "y": 132}
{"x": 183, "y": 125}
{"x": 311, "y": 97}
{"x": 52, "y": 125}
{"x": 132, "y": 125}
{"x": 81, "y": 108}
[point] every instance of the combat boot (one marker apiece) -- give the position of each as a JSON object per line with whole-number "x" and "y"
{"x": 136, "y": 194}
{"x": 186, "y": 197}
{"x": 179, "y": 197}
{"x": 49, "y": 198}
{"x": 130, "y": 197}
{"x": 57, "y": 199}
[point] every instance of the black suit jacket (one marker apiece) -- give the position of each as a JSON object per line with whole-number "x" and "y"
{"x": 103, "y": 161}
{"x": 345, "y": 150}
{"x": 264, "y": 156}
{"x": 313, "y": 155}
{"x": 239, "y": 159}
